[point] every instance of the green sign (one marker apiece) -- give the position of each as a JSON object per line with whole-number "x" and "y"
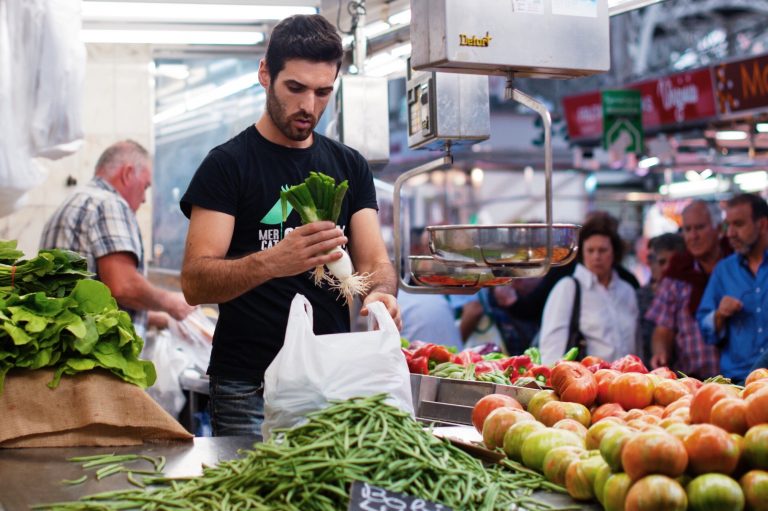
{"x": 622, "y": 120}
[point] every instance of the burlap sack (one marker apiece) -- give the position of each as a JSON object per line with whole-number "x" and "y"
{"x": 94, "y": 408}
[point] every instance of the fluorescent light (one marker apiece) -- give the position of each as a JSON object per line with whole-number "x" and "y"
{"x": 694, "y": 188}
{"x": 731, "y": 135}
{"x": 404, "y": 50}
{"x": 203, "y": 98}
{"x": 752, "y": 181}
{"x": 648, "y": 162}
{"x": 175, "y": 71}
{"x": 762, "y": 127}
{"x": 704, "y": 174}
{"x": 692, "y": 175}
{"x": 400, "y": 18}
{"x": 476, "y": 176}
{"x": 191, "y": 12}
{"x": 171, "y": 37}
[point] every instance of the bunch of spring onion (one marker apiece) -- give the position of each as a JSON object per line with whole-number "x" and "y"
{"x": 319, "y": 198}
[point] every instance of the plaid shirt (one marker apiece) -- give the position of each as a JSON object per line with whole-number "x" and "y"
{"x": 670, "y": 309}
{"x": 96, "y": 221}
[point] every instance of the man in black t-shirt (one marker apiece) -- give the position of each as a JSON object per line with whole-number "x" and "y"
{"x": 241, "y": 255}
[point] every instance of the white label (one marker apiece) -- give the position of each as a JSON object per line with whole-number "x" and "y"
{"x": 528, "y": 6}
{"x": 586, "y": 8}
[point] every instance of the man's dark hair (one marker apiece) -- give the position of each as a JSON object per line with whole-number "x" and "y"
{"x": 604, "y": 224}
{"x": 308, "y": 37}
{"x": 670, "y": 241}
{"x": 758, "y": 205}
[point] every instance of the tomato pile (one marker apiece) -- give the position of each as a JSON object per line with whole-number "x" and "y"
{"x": 639, "y": 441}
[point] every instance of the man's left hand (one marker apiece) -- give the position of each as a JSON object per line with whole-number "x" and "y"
{"x": 389, "y": 301}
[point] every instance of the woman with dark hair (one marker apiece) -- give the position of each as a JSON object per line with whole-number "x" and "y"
{"x": 607, "y": 305}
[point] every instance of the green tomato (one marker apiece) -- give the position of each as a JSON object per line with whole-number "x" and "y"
{"x": 715, "y": 492}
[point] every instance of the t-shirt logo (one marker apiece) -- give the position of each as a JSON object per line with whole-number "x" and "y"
{"x": 275, "y": 214}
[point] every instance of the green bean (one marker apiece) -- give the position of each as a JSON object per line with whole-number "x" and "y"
{"x": 79, "y": 480}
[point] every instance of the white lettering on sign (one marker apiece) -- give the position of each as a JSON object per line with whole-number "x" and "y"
{"x": 677, "y": 98}
{"x": 590, "y": 113}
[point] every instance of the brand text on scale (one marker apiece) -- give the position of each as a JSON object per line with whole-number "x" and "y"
{"x": 473, "y": 40}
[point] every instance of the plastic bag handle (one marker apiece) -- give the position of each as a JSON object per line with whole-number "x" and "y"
{"x": 301, "y": 311}
{"x": 379, "y": 315}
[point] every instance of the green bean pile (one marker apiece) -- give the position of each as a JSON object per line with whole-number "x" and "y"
{"x": 311, "y": 467}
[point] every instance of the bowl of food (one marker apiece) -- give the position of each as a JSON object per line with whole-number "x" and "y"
{"x": 515, "y": 250}
{"x": 430, "y": 272}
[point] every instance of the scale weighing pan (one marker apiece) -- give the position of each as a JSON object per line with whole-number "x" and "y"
{"x": 511, "y": 250}
{"x": 430, "y": 272}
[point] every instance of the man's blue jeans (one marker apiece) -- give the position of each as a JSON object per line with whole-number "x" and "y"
{"x": 236, "y": 406}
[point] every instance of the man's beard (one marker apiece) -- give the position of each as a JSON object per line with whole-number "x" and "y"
{"x": 284, "y": 123}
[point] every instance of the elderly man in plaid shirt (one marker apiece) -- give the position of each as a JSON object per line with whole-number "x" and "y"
{"x": 677, "y": 340}
{"x": 99, "y": 221}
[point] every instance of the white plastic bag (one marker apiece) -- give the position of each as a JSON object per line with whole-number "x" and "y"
{"x": 170, "y": 362}
{"x": 195, "y": 335}
{"x": 312, "y": 369}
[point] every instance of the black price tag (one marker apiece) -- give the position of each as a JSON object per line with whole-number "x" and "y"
{"x": 365, "y": 497}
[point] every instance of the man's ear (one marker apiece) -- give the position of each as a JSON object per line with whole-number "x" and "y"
{"x": 264, "y": 78}
{"x": 126, "y": 173}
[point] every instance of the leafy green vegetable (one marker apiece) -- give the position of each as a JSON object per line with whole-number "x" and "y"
{"x": 52, "y": 316}
{"x": 317, "y": 198}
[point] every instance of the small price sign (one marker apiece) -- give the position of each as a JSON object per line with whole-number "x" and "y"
{"x": 365, "y": 497}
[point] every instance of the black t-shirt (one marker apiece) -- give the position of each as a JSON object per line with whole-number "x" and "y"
{"x": 242, "y": 178}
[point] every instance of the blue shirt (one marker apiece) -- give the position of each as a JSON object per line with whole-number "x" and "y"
{"x": 745, "y": 336}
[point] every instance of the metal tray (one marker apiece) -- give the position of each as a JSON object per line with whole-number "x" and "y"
{"x": 428, "y": 271}
{"x": 518, "y": 249}
{"x": 450, "y": 401}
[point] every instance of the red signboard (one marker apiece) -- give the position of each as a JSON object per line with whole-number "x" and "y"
{"x": 742, "y": 85}
{"x": 669, "y": 100}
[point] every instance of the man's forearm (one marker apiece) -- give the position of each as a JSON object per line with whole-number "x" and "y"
{"x": 217, "y": 280}
{"x": 383, "y": 279}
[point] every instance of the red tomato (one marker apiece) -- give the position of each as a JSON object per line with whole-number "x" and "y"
{"x": 580, "y": 476}
{"x": 557, "y": 460}
{"x": 537, "y": 445}
{"x": 499, "y": 421}
{"x": 615, "y": 492}
{"x": 575, "y": 383}
{"x": 607, "y": 410}
{"x": 756, "y": 446}
{"x": 757, "y": 374}
{"x": 611, "y": 445}
{"x": 571, "y": 425}
{"x": 516, "y": 435}
{"x": 669, "y": 391}
{"x": 539, "y": 399}
{"x": 680, "y": 431}
{"x": 683, "y": 402}
{"x": 596, "y": 432}
{"x": 654, "y": 493}
{"x": 653, "y": 453}
{"x": 753, "y": 387}
{"x": 692, "y": 383}
{"x": 665, "y": 372}
{"x": 714, "y": 492}
{"x": 555, "y": 411}
{"x": 730, "y": 414}
{"x": 711, "y": 449}
{"x": 604, "y": 378}
{"x": 629, "y": 364}
{"x": 591, "y": 360}
{"x": 489, "y": 403}
{"x": 754, "y": 484}
{"x": 631, "y": 390}
{"x": 706, "y": 397}
{"x": 757, "y": 408}
{"x": 656, "y": 410}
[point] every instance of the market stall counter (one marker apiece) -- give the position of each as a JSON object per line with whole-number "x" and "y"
{"x": 34, "y": 476}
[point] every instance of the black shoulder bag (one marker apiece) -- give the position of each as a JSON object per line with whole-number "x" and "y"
{"x": 575, "y": 337}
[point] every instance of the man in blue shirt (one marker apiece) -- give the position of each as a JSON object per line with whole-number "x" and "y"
{"x": 734, "y": 310}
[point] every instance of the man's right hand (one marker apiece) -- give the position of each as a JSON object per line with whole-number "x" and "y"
{"x": 306, "y": 247}
{"x": 660, "y": 360}
{"x": 178, "y": 307}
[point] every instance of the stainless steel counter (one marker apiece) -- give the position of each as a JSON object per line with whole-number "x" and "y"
{"x": 33, "y": 476}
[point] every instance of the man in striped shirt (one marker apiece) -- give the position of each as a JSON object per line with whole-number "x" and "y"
{"x": 99, "y": 221}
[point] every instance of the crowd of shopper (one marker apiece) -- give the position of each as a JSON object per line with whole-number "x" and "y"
{"x": 700, "y": 313}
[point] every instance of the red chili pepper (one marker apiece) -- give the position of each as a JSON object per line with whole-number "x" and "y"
{"x": 540, "y": 373}
{"x": 440, "y": 354}
{"x": 419, "y": 365}
{"x": 486, "y": 366}
{"x": 466, "y": 357}
{"x": 424, "y": 350}
{"x": 519, "y": 364}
